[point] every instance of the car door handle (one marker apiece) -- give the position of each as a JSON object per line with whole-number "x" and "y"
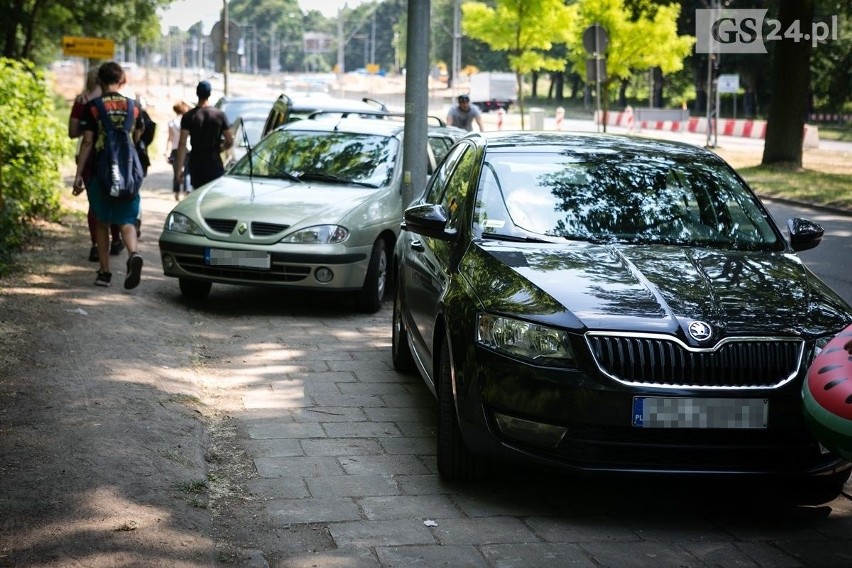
{"x": 416, "y": 245}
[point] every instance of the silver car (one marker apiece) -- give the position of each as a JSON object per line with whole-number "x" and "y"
{"x": 317, "y": 205}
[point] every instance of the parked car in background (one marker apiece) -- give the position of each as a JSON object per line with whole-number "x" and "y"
{"x": 247, "y": 130}
{"x": 610, "y": 304}
{"x": 316, "y": 205}
{"x": 235, "y": 107}
{"x": 298, "y": 107}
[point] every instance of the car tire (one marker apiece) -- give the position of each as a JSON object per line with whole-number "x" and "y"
{"x": 194, "y": 289}
{"x": 455, "y": 460}
{"x": 403, "y": 360}
{"x": 369, "y": 299}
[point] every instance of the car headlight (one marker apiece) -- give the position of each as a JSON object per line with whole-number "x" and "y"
{"x": 320, "y": 235}
{"x": 537, "y": 343}
{"x": 180, "y": 223}
{"x": 821, "y": 342}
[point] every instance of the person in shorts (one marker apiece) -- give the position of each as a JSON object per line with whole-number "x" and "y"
{"x": 123, "y": 213}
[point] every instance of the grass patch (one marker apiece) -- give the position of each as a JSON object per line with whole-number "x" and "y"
{"x": 834, "y": 132}
{"x": 800, "y": 184}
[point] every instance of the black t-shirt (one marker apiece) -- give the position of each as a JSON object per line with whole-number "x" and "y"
{"x": 205, "y": 126}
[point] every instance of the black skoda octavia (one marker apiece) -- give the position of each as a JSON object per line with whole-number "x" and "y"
{"x": 610, "y": 304}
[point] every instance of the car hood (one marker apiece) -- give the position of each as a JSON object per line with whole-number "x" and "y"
{"x": 277, "y": 201}
{"x": 656, "y": 289}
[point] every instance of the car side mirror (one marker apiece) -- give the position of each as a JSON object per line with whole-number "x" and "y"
{"x": 427, "y": 220}
{"x": 804, "y": 234}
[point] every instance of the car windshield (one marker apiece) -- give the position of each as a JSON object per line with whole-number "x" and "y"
{"x": 332, "y": 157}
{"x": 253, "y": 127}
{"x": 235, "y": 108}
{"x": 616, "y": 196}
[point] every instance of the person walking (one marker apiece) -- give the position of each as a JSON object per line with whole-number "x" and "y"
{"x": 93, "y": 91}
{"x": 172, "y": 145}
{"x": 463, "y": 114}
{"x": 121, "y": 212}
{"x": 208, "y": 131}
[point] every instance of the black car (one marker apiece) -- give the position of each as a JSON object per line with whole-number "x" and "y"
{"x": 613, "y": 305}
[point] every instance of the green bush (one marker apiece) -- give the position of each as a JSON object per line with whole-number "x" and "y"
{"x": 33, "y": 144}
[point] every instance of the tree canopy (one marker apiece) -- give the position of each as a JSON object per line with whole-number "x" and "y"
{"x": 526, "y": 29}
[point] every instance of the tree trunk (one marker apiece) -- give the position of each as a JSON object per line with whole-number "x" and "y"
{"x": 790, "y": 85}
{"x": 12, "y": 20}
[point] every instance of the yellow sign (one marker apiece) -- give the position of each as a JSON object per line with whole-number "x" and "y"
{"x": 373, "y": 68}
{"x": 93, "y": 47}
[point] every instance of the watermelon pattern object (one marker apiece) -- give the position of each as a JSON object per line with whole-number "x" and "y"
{"x": 827, "y": 395}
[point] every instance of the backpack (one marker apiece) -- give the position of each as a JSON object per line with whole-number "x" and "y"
{"x": 118, "y": 168}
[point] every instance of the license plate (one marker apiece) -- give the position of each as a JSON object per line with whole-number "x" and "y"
{"x": 726, "y": 413}
{"x": 242, "y": 258}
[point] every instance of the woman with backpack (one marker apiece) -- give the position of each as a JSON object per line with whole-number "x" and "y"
{"x": 104, "y": 121}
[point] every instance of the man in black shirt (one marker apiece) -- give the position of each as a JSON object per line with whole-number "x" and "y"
{"x": 207, "y": 129}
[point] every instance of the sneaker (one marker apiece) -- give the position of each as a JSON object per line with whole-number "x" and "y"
{"x": 93, "y": 253}
{"x": 103, "y": 278}
{"x": 134, "y": 271}
{"x": 115, "y": 248}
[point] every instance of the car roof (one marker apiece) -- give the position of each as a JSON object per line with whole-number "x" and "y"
{"x": 309, "y": 103}
{"x": 354, "y": 125}
{"x": 389, "y": 126}
{"x": 584, "y": 142}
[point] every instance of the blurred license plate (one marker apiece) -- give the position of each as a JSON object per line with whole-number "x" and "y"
{"x": 662, "y": 412}
{"x": 241, "y": 258}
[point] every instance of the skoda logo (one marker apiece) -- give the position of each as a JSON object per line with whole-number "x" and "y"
{"x": 700, "y": 331}
{"x": 242, "y": 228}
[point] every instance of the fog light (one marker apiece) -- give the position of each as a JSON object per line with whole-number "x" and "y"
{"x": 168, "y": 261}
{"x": 530, "y": 432}
{"x": 323, "y": 275}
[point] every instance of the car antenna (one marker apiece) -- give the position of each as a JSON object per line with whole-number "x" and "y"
{"x": 250, "y": 161}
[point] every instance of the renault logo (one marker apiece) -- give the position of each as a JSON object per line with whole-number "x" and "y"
{"x": 242, "y": 228}
{"x": 700, "y": 331}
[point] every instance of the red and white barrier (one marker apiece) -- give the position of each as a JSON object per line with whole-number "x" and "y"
{"x": 741, "y": 128}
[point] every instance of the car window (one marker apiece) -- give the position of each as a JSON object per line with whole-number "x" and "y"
{"x": 435, "y": 189}
{"x": 333, "y": 157}
{"x": 632, "y": 198}
{"x": 456, "y": 189}
{"x": 440, "y": 147}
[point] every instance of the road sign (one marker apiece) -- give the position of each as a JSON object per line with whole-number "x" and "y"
{"x": 595, "y": 40}
{"x": 92, "y": 47}
{"x": 729, "y": 83}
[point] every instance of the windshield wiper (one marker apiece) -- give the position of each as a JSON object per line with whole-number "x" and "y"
{"x": 317, "y": 176}
{"x": 287, "y": 175}
{"x": 514, "y": 238}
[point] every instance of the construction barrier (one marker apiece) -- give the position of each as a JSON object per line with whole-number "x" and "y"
{"x": 742, "y": 128}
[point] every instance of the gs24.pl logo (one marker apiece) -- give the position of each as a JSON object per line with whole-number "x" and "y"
{"x": 747, "y": 31}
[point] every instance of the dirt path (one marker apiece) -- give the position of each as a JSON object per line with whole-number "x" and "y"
{"x": 113, "y": 454}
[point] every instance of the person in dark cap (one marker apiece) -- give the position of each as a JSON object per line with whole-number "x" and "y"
{"x": 463, "y": 114}
{"x": 206, "y": 127}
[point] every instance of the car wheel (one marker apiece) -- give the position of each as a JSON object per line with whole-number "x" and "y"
{"x": 403, "y": 361}
{"x": 369, "y": 299}
{"x": 455, "y": 461}
{"x": 194, "y": 289}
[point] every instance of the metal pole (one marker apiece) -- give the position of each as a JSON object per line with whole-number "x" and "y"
{"x": 226, "y": 47}
{"x": 416, "y": 101}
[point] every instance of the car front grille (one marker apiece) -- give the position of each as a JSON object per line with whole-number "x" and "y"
{"x": 279, "y": 272}
{"x": 664, "y": 361}
{"x": 225, "y": 226}
{"x": 258, "y": 228}
{"x": 689, "y": 449}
